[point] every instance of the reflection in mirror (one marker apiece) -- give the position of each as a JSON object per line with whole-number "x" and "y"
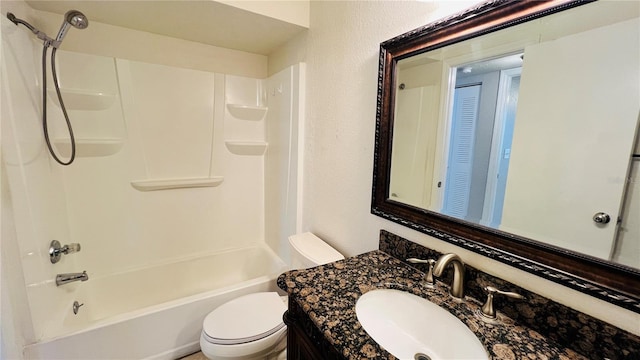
{"x": 481, "y": 124}
{"x": 530, "y": 130}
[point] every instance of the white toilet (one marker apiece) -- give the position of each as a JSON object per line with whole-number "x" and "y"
{"x": 251, "y": 326}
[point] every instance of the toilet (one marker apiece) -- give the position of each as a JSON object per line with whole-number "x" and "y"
{"x": 250, "y": 326}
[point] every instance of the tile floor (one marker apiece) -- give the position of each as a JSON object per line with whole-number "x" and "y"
{"x": 195, "y": 356}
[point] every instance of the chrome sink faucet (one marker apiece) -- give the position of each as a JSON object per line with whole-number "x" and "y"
{"x": 457, "y": 285}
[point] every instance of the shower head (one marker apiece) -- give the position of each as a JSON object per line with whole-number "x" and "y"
{"x": 72, "y": 18}
{"x": 77, "y": 19}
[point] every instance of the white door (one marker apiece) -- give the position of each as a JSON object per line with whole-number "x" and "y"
{"x": 507, "y": 102}
{"x": 572, "y": 144}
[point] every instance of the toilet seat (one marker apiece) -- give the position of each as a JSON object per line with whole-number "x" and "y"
{"x": 245, "y": 340}
{"x": 245, "y": 319}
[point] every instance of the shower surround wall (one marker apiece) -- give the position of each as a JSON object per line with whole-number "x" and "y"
{"x": 139, "y": 126}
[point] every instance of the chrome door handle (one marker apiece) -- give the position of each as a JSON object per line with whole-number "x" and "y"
{"x": 601, "y": 218}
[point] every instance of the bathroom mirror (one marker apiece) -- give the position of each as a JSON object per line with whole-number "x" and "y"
{"x": 510, "y": 129}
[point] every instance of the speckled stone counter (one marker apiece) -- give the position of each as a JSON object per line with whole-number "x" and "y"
{"x": 567, "y": 327}
{"x": 327, "y": 294}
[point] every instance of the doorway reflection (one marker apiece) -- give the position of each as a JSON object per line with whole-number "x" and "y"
{"x": 481, "y": 130}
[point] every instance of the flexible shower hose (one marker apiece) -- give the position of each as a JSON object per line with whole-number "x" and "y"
{"x": 45, "y": 126}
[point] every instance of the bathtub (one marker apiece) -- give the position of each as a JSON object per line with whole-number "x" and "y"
{"x": 157, "y": 312}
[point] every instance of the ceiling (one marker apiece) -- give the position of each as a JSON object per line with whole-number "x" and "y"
{"x": 488, "y": 66}
{"x": 207, "y": 22}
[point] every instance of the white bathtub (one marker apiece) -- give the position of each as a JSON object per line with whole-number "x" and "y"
{"x": 157, "y": 312}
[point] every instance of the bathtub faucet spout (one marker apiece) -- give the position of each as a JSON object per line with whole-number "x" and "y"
{"x": 62, "y": 279}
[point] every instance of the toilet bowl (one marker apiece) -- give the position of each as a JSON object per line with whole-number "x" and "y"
{"x": 248, "y": 327}
{"x": 251, "y": 327}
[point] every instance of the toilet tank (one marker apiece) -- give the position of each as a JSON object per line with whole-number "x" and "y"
{"x": 308, "y": 250}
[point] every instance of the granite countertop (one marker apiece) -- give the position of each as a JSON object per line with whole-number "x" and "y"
{"x": 328, "y": 294}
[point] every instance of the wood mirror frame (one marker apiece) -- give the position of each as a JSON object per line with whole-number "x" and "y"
{"x": 614, "y": 283}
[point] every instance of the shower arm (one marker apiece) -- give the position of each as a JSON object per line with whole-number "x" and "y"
{"x": 39, "y": 34}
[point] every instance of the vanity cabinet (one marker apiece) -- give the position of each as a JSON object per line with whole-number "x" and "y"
{"x": 304, "y": 339}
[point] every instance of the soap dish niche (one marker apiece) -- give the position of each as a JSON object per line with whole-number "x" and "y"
{"x": 75, "y": 99}
{"x": 89, "y": 147}
{"x": 247, "y": 112}
{"x": 170, "y": 184}
{"x": 247, "y": 147}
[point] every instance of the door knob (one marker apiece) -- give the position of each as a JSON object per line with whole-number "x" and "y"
{"x": 601, "y": 218}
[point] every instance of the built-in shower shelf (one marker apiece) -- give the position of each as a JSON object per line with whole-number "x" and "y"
{"x": 168, "y": 184}
{"x": 247, "y": 147}
{"x": 247, "y": 112}
{"x": 75, "y": 99}
{"x": 89, "y": 147}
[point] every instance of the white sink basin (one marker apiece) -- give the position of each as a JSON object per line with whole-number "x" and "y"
{"x": 405, "y": 325}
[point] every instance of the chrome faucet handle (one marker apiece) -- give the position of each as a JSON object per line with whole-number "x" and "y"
{"x": 56, "y": 250}
{"x": 487, "y": 309}
{"x": 71, "y": 248}
{"x": 428, "y": 278}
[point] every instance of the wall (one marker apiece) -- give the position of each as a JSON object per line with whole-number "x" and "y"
{"x": 174, "y": 118}
{"x": 295, "y": 12}
{"x": 342, "y": 68}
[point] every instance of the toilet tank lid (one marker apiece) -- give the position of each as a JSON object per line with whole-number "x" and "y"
{"x": 313, "y": 248}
